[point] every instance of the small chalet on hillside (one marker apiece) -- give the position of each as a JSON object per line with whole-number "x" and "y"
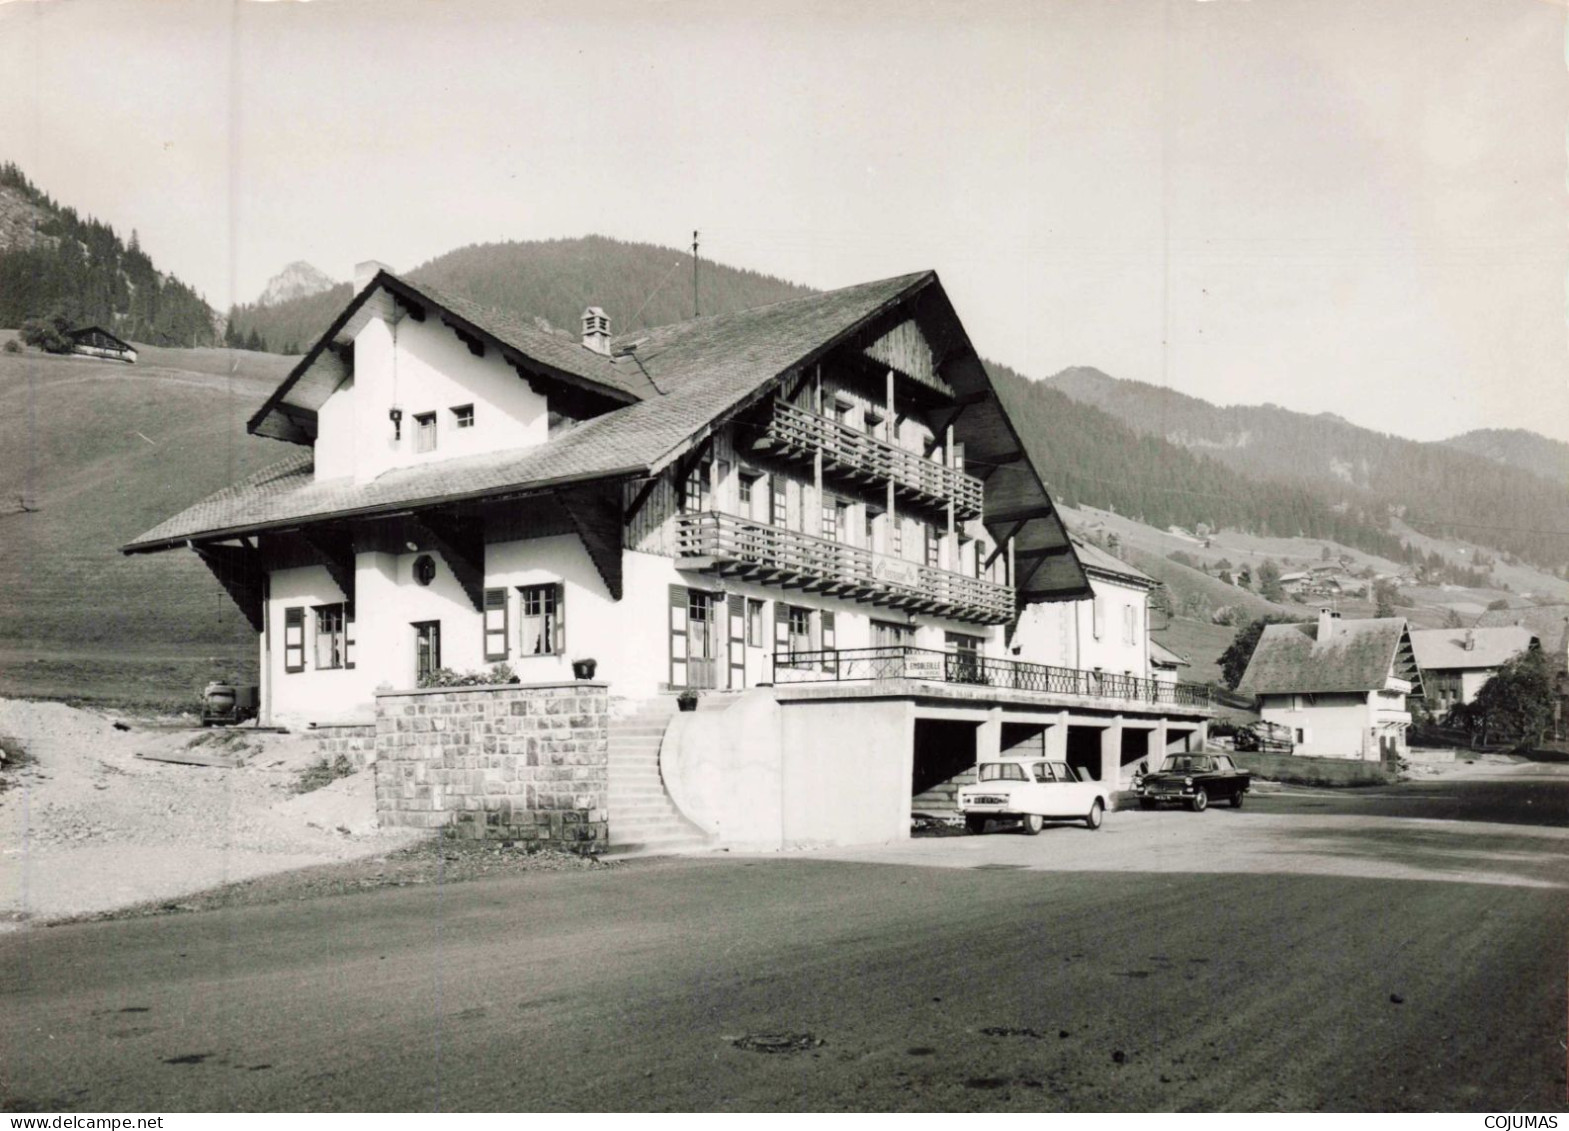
{"x": 95, "y": 341}
{"x": 1456, "y": 662}
{"x": 816, "y": 513}
{"x": 1340, "y": 686}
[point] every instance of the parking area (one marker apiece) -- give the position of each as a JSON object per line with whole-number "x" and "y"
{"x": 1508, "y": 828}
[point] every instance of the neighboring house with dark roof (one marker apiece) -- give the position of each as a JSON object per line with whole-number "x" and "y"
{"x": 1339, "y": 686}
{"x": 1456, "y": 662}
{"x": 823, "y": 498}
{"x": 95, "y": 341}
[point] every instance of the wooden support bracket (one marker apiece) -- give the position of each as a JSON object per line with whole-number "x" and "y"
{"x": 238, "y": 569}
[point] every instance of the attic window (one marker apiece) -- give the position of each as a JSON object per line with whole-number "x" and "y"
{"x": 463, "y": 416}
{"x": 425, "y": 432}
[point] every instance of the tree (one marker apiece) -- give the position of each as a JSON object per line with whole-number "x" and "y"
{"x": 1225, "y": 575}
{"x": 1516, "y": 703}
{"x": 1325, "y": 555}
{"x": 1245, "y": 578}
{"x": 48, "y": 334}
{"x": 1234, "y": 660}
{"x": 1498, "y": 605}
{"x": 1384, "y": 593}
{"x": 1452, "y": 620}
{"x": 1269, "y": 586}
{"x": 253, "y": 341}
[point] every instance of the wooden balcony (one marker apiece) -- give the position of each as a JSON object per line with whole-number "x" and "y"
{"x": 851, "y": 456}
{"x": 730, "y": 546}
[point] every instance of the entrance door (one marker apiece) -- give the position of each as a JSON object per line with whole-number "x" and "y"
{"x": 427, "y": 649}
{"x": 703, "y": 612}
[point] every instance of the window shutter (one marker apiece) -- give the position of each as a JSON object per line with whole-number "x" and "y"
{"x": 677, "y": 636}
{"x": 294, "y": 639}
{"x": 735, "y": 616}
{"x": 828, "y": 630}
{"x": 348, "y": 636}
{"x": 496, "y": 642}
{"x": 561, "y": 618}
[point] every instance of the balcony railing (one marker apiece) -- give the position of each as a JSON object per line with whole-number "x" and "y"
{"x": 795, "y": 433}
{"x": 905, "y": 662}
{"x": 738, "y": 547}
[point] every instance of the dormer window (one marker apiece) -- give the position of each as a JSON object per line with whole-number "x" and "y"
{"x": 463, "y": 416}
{"x": 424, "y": 431}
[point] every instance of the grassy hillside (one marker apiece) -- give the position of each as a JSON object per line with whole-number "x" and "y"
{"x": 639, "y": 285}
{"x": 104, "y": 451}
{"x": 1437, "y": 488}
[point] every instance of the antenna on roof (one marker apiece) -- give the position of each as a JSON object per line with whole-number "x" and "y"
{"x": 695, "y": 311}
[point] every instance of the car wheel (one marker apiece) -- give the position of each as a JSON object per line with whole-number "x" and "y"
{"x": 1236, "y": 800}
{"x": 1146, "y": 803}
{"x": 1032, "y": 824}
{"x": 976, "y": 825}
{"x": 1199, "y": 801}
{"x": 1097, "y": 815}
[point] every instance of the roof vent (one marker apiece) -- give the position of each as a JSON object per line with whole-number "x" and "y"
{"x": 596, "y": 330}
{"x": 1328, "y": 621}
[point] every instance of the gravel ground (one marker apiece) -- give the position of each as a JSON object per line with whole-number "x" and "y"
{"x": 428, "y": 861}
{"x": 87, "y": 825}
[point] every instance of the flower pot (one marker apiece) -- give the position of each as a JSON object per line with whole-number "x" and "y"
{"x": 686, "y": 703}
{"x": 584, "y": 669}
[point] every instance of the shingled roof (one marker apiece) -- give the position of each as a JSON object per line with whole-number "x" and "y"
{"x": 1444, "y": 649}
{"x": 701, "y": 369}
{"x": 1097, "y": 560}
{"x": 1357, "y": 656}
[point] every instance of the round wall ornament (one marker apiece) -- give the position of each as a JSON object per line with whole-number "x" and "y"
{"x": 424, "y": 569}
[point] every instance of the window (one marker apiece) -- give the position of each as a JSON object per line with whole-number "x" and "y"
{"x": 427, "y": 649}
{"x": 800, "y": 621}
{"x": 933, "y": 547}
{"x": 745, "y": 483}
{"x": 779, "y": 516}
{"x": 841, "y": 411}
{"x": 496, "y": 636}
{"x": 873, "y": 423}
{"x": 754, "y": 622}
{"x": 695, "y": 488}
{"x": 334, "y": 636}
{"x": 889, "y": 634}
{"x": 425, "y": 432}
{"x": 463, "y": 416}
{"x": 1098, "y": 616}
{"x": 294, "y": 639}
{"x": 835, "y": 514}
{"x": 542, "y": 620}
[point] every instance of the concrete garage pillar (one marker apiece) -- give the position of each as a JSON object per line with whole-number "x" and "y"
{"x": 1160, "y": 740}
{"x": 988, "y": 737}
{"x": 1111, "y": 755}
{"x": 1199, "y": 739}
{"x": 1057, "y": 739}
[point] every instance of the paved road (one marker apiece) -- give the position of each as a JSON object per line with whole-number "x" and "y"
{"x": 1314, "y": 950}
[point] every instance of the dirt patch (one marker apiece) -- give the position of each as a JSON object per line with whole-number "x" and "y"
{"x": 778, "y": 1042}
{"x": 91, "y": 824}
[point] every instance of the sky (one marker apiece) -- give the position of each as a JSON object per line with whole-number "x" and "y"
{"x": 1350, "y": 207}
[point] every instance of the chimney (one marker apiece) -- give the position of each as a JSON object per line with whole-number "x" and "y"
{"x": 1328, "y": 620}
{"x": 365, "y": 272}
{"x": 596, "y": 330}
{"x": 1470, "y": 640}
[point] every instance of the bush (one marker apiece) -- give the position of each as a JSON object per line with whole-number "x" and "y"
{"x": 322, "y": 772}
{"x": 48, "y": 334}
{"x": 446, "y": 677}
{"x": 12, "y": 346}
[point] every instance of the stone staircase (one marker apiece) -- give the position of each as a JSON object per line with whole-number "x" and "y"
{"x": 643, "y": 819}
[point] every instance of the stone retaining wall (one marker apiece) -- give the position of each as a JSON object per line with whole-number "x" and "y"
{"x": 510, "y": 761}
{"x": 1302, "y": 769}
{"x": 354, "y": 741}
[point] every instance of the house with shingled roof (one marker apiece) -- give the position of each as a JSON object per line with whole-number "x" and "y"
{"x": 816, "y": 514}
{"x": 1339, "y": 686}
{"x": 1456, "y": 662}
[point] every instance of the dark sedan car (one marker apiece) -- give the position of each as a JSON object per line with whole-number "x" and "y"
{"x": 1194, "y": 780}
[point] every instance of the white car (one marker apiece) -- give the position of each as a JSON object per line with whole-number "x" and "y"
{"x": 1032, "y": 793}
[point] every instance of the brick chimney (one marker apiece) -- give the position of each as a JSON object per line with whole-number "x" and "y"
{"x": 1470, "y": 640}
{"x": 365, "y": 272}
{"x": 596, "y": 330}
{"x": 1328, "y": 624}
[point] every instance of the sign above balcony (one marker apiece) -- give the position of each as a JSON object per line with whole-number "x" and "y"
{"x": 896, "y": 571}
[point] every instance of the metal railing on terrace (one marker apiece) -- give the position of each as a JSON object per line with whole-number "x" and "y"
{"x": 726, "y": 544}
{"x": 794, "y": 432}
{"x": 901, "y": 661}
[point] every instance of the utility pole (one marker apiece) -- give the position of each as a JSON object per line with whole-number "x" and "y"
{"x": 695, "y": 311}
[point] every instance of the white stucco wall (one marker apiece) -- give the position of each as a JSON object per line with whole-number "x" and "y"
{"x": 422, "y": 367}
{"x": 1063, "y": 633}
{"x": 1336, "y": 726}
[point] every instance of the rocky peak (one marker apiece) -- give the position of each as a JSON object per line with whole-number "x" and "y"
{"x": 297, "y": 280}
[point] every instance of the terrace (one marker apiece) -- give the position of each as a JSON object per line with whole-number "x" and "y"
{"x": 897, "y": 662}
